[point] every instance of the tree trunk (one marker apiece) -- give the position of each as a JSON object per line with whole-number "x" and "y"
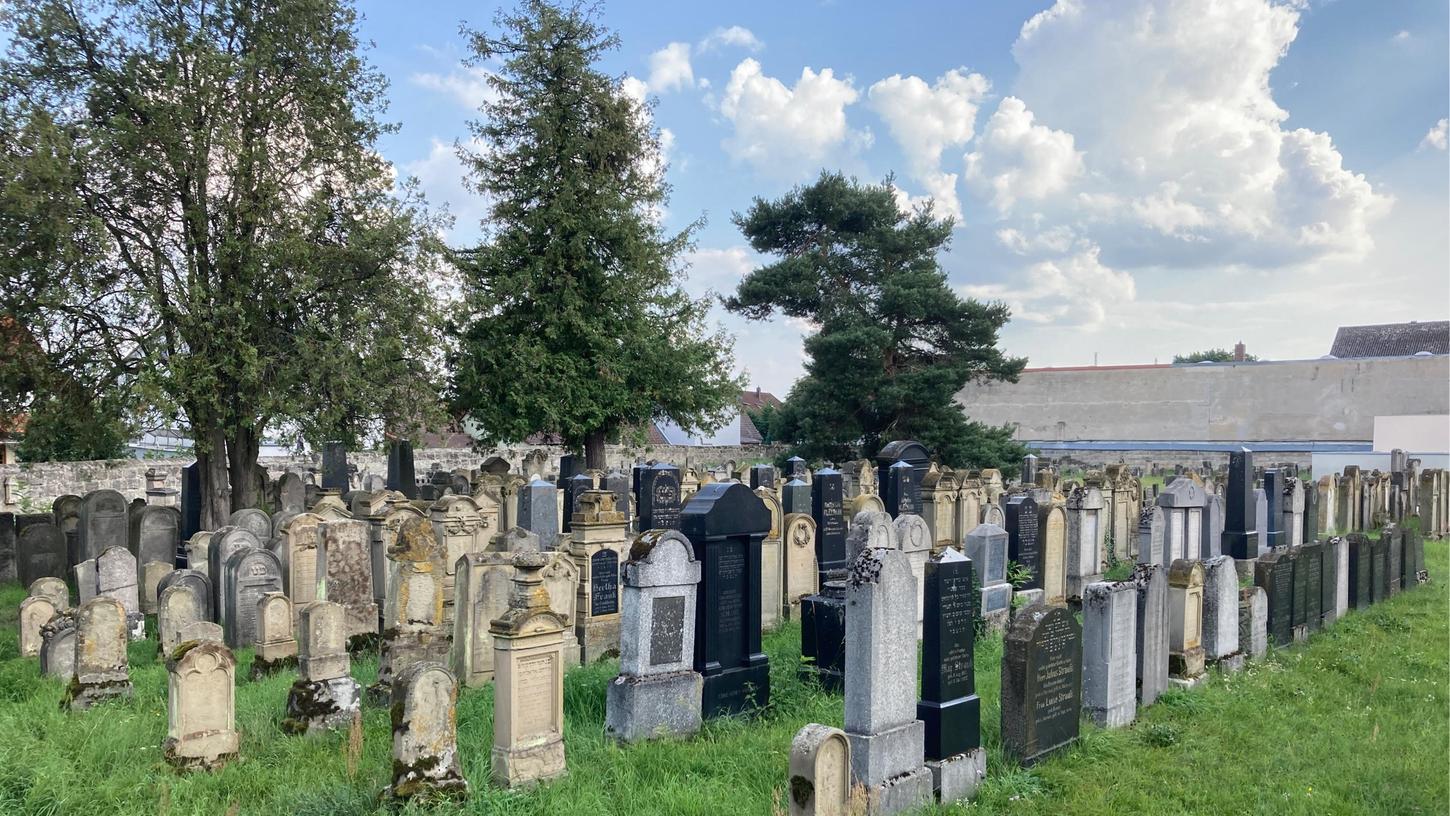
{"x": 216, "y": 493}
{"x": 242, "y": 462}
{"x": 594, "y": 450}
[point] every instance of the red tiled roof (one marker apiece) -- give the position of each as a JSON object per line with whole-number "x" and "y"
{"x": 758, "y": 399}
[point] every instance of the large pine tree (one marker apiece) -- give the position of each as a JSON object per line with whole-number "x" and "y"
{"x": 894, "y": 343}
{"x": 577, "y": 325}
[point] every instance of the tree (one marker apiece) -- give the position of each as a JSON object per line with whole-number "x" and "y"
{"x": 1216, "y": 355}
{"x": 894, "y": 343}
{"x": 64, "y": 427}
{"x": 215, "y": 229}
{"x": 577, "y": 324}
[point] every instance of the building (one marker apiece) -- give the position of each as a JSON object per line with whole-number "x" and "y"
{"x": 1392, "y": 340}
{"x": 739, "y": 430}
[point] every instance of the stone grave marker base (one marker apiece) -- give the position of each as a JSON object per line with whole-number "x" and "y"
{"x": 641, "y": 708}
{"x": 314, "y": 706}
{"x": 526, "y": 767}
{"x": 83, "y": 696}
{"x": 956, "y": 778}
{"x": 900, "y": 794}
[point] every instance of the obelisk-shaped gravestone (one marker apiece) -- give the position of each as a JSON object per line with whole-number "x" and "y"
{"x": 401, "y": 475}
{"x": 827, "y": 509}
{"x": 1240, "y": 537}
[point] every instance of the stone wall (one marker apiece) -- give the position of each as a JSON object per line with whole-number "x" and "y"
{"x": 32, "y": 487}
{"x": 1073, "y": 459}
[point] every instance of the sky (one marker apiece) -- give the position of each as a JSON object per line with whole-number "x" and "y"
{"x": 1134, "y": 178}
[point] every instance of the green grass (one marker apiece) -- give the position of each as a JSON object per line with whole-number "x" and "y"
{"x": 1353, "y": 722}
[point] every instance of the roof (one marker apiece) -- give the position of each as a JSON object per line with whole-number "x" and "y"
{"x": 749, "y": 434}
{"x": 757, "y": 399}
{"x": 1392, "y": 339}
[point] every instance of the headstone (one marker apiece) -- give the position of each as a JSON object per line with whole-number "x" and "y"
{"x": 659, "y": 498}
{"x": 65, "y": 511}
{"x": 401, "y": 475}
{"x": 414, "y": 629}
{"x": 324, "y": 697}
{"x": 191, "y": 501}
{"x": 598, "y": 545}
{"x": 823, "y": 634}
{"x": 102, "y": 669}
{"x": 1041, "y": 683}
{"x": 1359, "y": 595}
{"x": 820, "y": 772}
{"x": 1185, "y": 622}
{"x": 345, "y": 572}
{"x": 887, "y": 740}
{"x": 248, "y": 574}
{"x": 1240, "y": 536}
{"x": 1311, "y": 562}
{"x": 8, "y": 570}
{"x": 801, "y": 576}
{"x": 1029, "y": 469}
{"x": 334, "y": 467}
{"x": 1261, "y": 519}
{"x": 1274, "y": 494}
{"x": 986, "y": 546}
{"x": 1221, "y": 612}
{"x": 104, "y": 523}
{"x": 116, "y": 578}
{"x": 902, "y": 490}
{"x": 58, "y": 647}
{"x": 276, "y": 646}
{"x": 1184, "y": 503}
{"x": 1151, "y": 643}
{"x": 292, "y": 493}
{"x": 425, "y": 735}
{"x": 1334, "y": 581}
{"x": 1274, "y": 574}
{"x": 1109, "y": 632}
{"x": 528, "y": 702}
{"x": 762, "y": 476}
{"x": 795, "y": 497}
{"x": 1052, "y": 533}
{"x": 772, "y": 566}
{"x": 201, "y": 730}
{"x": 194, "y": 582}
{"x": 656, "y": 692}
{"x": 223, "y": 544}
{"x": 177, "y": 608}
{"x": 1085, "y": 538}
{"x": 949, "y": 707}
{"x": 914, "y": 538}
{"x": 1253, "y": 621}
{"x": 53, "y": 590}
{"x": 828, "y": 509}
{"x": 902, "y": 450}
{"x": 85, "y": 579}
{"x": 35, "y": 612}
{"x": 726, "y": 523}
{"x": 1024, "y": 545}
{"x": 40, "y": 552}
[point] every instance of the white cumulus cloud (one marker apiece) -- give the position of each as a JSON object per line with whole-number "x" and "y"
{"x": 468, "y": 86}
{"x": 1072, "y": 289}
{"x": 669, "y": 68}
{"x": 925, "y": 120}
{"x": 735, "y": 37}
{"x": 1018, "y": 159}
{"x": 1436, "y": 138}
{"x": 788, "y": 131}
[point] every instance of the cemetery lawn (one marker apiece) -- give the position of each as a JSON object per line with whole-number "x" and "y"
{"x": 1356, "y": 721}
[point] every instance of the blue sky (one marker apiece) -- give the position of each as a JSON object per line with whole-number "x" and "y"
{"x": 1136, "y": 178}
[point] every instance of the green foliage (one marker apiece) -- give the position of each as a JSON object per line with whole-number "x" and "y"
{"x": 1018, "y": 575}
{"x": 767, "y": 421}
{"x": 1216, "y": 355}
{"x": 1117, "y": 569}
{"x": 894, "y": 343}
{"x": 74, "y": 430}
{"x": 578, "y": 325}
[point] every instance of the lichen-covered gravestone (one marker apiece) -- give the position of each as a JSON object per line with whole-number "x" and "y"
{"x": 324, "y": 697}
{"x": 1151, "y": 644}
{"x": 1221, "y": 613}
{"x": 58, "y": 647}
{"x": 414, "y": 630}
{"x": 201, "y": 706}
{"x": 177, "y": 609}
{"x": 35, "y": 612}
{"x": 820, "y": 772}
{"x": 1185, "y": 623}
{"x": 656, "y": 692}
{"x": 345, "y": 573}
{"x": 195, "y": 582}
{"x": 1253, "y": 622}
{"x": 528, "y": 703}
{"x": 52, "y": 589}
{"x": 276, "y": 647}
{"x": 425, "y": 734}
{"x": 1041, "y": 683}
{"x": 102, "y": 669}
{"x": 116, "y": 578}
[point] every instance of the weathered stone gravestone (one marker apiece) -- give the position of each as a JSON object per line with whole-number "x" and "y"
{"x": 103, "y": 523}
{"x": 152, "y": 574}
{"x": 1253, "y": 621}
{"x": 248, "y": 574}
{"x": 528, "y": 702}
{"x": 1052, "y": 528}
{"x": 296, "y": 549}
{"x": 102, "y": 669}
{"x": 802, "y": 578}
{"x": 345, "y": 573}
{"x": 1183, "y": 502}
{"x": 52, "y": 589}
{"x": 461, "y": 528}
{"x": 1221, "y": 613}
{"x": 58, "y": 647}
{"x": 224, "y": 543}
{"x": 725, "y": 523}
{"x": 1024, "y": 544}
{"x": 158, "y": 534}
{"x": 425, "y": 734}
{"x": 413, "y": 627}
{"x": 1311, "y": 562}
{"x": 887, "y": 740}
{"x": 65, "y": 512}
{"x": 1212, "y": 543}
{"x": 1185, "y": 623}
{"x": 986, "y": 546}
{"x": 772, "y": 568}
{"x": 539, "y": 511}
{"x": 1274, "y": 574}
{"x": 1151, "y": 582}
{"x": 324, "y": 697}
{"x": 913, "y": 538}
{"x": 484, "y": 581}
{"x": 177, "y": 609}
{"x": 276, "y": 646}
{"x": 1041, "y": 683}
{"x": 116, "y": 578}
{"x": 598, "y": 545}
{"x": 656, "y": 693}
{"x": 195, "y": 582}
{"x": 1085, "y": 538}
{"x": 949, "y": 707}
{"x": 1109, "y": 631}
{"x": 40, "y": 552}
{"x": 201, "y": 730}
{"x": 820, "y": 772}
{"x": 85, "y": 577}
{"x": 35, "y": 612}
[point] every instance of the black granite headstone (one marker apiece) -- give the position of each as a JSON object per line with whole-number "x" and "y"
{"x": 902, "y": 450}
{"x": 823, "y": 636}
{"x": 334, "y": 467}
{"x": 1024, "y": 544}
{"x": 726, "y": 523}
{"x": 618, "y": 484}
{"x": 949, "y": 705}
{"x": 901, "y": 492}
{"x": 1311, "y": 512}
{"x": 762, "y": 476}
{"x": 1274, "y": 573}
{"x": 190, "y": 501}
{"x": 1395, "y": 542}
{"x": 1240, "y": 538}
{"x": 1380, "y": 570}
{"x": 1311, "y": 560}
{"x": 1328, "y": 580}
{"x": 1274, "y": 493}
{"x": 604, "y": 583}
{"x": 795, "y": 468}
{"x": 827, "y": 496}
{"x": 1299, "y": 616}
{"x": 570, "y": 465}
{"x": 40, "y": 552}
{"x": 1041, "y": 683}
{"x": 659, "y": 498}
{"x": 1360, "y": 570}
{"x": 569, "y": 492}
{"x": 402, "y": 476}
{"x": 795, "y": 497}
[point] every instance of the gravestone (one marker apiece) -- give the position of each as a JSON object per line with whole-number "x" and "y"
{"x": 1240, "y": 536}
{"x": 762, "y": 476}
{"x": 656, "y": 692}
{"x": 598, "y": 546}
{"x": 254, "y": 521}
{"x": 85, "y": 577}
{"x": 296, "y": 549}
{"x": 152, "y": 573}
{"x": 198, "y": 553}
{"x": 248, "y": 574}
{"x": 1023, "y": 540}
{"x": 414, "y": 629}
{"x": 8, "y": 569}
{"x": 820, "y": 772}
{"x": 902, "y": 450}
{"x": 1085, "y": 538}
{"x": 1153, "y": 536}
{"x": 1185, "y": 623}
{"x": 116, "y": 578}
{"x": 1029, "y": 469}
{"x": 823, "y": 635}
{"x": 102, "y": 671}
{"x": 402, "y": 476}
{"x": 1261, "y": 518}
{"x": 1109, "y": 632}
{"x": 1052, "y": 535}
{"x": 484, "y": 581}
{"x": 570, "y": 490}
{"x": 65, "y": 512}
{"x": 53, "y": 590}
{"x": 1311, "y": 562}
{"x": 1212, "y": 544}
{"x": 539, "y": 511}
{"x": 1183, "y": 502}
{"x": 201, "y": 730}
{"x": 345, "y": 573}
{"x": 902, "y": 490}
{"x": 949, "y": 707}
{"x": 528, "y": 702}
{"x": 40, "y": 552}
{"x": 35, "y": 612}
{"x": 1041, "y": 683}
{"x": 462, "y": 527}
{"x": 1334, "y": 580}
{"x": 772, "y": 567}
{"x": 659, "y": 499}
{"x": 887, "y": 740}
{"x": 914, "y": 539}
{"x": 795, "y": 497}
{"x": 1221, "y": 613}
{"x": 1274, "y": 574}
{"x": 1274, "y": 513}
{"x": 58, "y": 647}
{"x": 192, "y": 581}
{"x": 191, "y": 501}
{"x": 334, "y": 467}
{"x": 986, "y": 546}
{"x": 224, "y": 543}
{"x": 104, "y": 523}
{"x": 1395, "y": 538}
{"x": 177, "y": 608}
{"x": 1253, "y": 621}
{"x": 425, "y": 735}
{"x": 1379, "y": 581}
{"x": 828, "y": 509}
{"x": 276, "y": 646}
{"x": 801, "y": 576}
{"x": 292, "y": 493}
{"x": 1151, "y": 642}
{"x": 324, "y": 697}
{"x": 726, "y": 523}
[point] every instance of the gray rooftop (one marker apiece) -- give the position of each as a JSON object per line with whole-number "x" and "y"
{"x": 1392, "y": 339}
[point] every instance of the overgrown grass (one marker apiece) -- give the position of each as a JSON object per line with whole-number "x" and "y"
{"x": 1353, "y": 722}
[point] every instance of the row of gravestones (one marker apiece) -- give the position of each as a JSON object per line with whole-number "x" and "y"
{"x": 80, "y": 528}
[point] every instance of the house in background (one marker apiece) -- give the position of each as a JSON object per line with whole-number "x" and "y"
{"x": 739, "y": 430}
{"x": 1413, "y": 339}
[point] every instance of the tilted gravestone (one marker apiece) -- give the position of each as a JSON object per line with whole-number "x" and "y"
{"x": 1151, "y": 582}
{"x": 1041, "y": 683}
{"x": 425, "y": 734}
